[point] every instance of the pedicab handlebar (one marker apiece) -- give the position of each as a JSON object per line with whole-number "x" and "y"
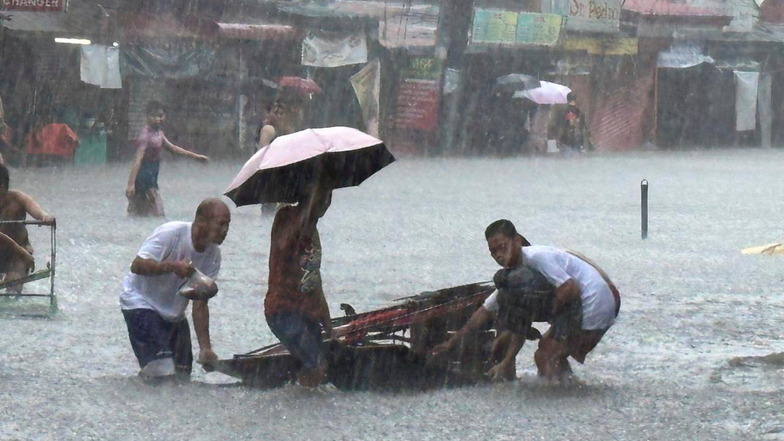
{"x": 29, "y": 222}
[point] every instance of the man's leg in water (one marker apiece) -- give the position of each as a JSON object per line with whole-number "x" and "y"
{"x": 551, "y": 357}
{"x": 16, "y": 270}
{"x": 500, "y": 345}
{"x": 302, "y": 337}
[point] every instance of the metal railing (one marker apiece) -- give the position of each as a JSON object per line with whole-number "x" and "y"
{"x": 49, "y": 272}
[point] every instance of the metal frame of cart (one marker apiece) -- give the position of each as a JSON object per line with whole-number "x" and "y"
{"x": 49, "y": 272}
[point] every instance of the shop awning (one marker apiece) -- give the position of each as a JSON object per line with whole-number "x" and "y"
{"x": 80, "y": 19}
{"x": 249, "y": 31}
{"x": 670, "y": 8}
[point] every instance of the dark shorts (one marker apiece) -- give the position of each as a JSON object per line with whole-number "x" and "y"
{"x": 147, "y": 177}
{"x": 153, "y": 338}
{"x": 584, "y": 342}
{"x": 301, "y": 336}
{"x": 568, "y": 322}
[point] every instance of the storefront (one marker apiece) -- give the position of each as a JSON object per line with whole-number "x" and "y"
{"x": 42, "y": 81}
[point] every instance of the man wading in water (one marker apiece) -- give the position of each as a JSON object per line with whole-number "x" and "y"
{"x": 16, "y": 252}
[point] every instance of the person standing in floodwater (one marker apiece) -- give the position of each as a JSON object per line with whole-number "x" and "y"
{"x": 294, "y": 306}
{"x": 144, "y": 199}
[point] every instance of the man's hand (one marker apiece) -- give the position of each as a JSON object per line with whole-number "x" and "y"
{"x": 49, "y": 220}
{"x": 443, "y": 348}
{"x": 330, "y": 334}
{"x": 203, "y": 159}
{"x": 503, "y": 371}
{"x": 207, "y": 359}
{"x": 28, "y": 260}
{"x": 130, "y": 191}
{"x": 180, "y": 268}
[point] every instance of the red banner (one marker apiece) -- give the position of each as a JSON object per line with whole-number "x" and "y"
{"x": 34, "y": 5}
{"x": 417, "y": 104}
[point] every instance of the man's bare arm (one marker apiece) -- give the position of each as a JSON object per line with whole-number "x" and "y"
{"x": 266, "y": 135}
{"x": 32, "y": 207}
{"x": 565, "y": 293}
{"x": 504, "y": 370}
{"x": 478, "y": 319}
{"x": 201, "y": 324}
{"x": 152, "y": 267}
{"x": 17, "y": 249}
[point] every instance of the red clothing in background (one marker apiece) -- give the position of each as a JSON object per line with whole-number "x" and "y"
{"x": 54, "y": 139}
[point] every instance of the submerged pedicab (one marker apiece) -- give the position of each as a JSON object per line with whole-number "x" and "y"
{"x": 387, "y": 348}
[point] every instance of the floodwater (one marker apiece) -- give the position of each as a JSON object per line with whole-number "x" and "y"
{"x": 691, "y": 302}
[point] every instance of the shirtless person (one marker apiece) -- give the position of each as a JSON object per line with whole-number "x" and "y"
{"x": 295, "y": 307}
{"x": 16, "y": 253}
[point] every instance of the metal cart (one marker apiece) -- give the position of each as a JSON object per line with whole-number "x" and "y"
{"x": 48, "y": 272}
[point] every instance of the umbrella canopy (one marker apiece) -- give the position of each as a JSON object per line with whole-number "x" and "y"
{"x": 301, "y": 85}
{"x": 515, "y": 82}
{"x": 286, "y": 169}
{"x": 546, "y": 93}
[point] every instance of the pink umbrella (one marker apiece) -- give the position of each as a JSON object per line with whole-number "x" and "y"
{"x": 546, "y": 93}
{"x": 284, "y": 170}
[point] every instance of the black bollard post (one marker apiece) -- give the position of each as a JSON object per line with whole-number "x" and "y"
{"x": 644, "y": 205}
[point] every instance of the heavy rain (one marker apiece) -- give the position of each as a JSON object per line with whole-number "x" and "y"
{"x": 663, "y": 171}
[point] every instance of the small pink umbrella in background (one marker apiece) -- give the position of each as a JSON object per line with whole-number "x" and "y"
{"x": 301, "y": 85}
{"x": 285, "y": 170}
{"x": 546, "y": 93}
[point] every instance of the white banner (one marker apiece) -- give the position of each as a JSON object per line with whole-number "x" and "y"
{"x": 100, "y": 65}
{"x": 588, "y": 15}
{"x": 746, "y": 100}
{"x": 367, "y": 87}
{"x": 331, "y": 49}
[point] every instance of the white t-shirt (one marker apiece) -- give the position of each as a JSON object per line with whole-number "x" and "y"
{"x": 558, "y": 266}
{"x": 169, "y": 242}
{"x": 491, "y": 302}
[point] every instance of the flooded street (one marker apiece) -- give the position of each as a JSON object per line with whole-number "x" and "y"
{"x": 691, "y": 302}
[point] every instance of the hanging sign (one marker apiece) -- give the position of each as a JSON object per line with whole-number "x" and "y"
{"x": 590, "y": 15}
{"x": 34, "y": 5}
{"x": 515, "y": 28}
{"x": 418, "y": 95}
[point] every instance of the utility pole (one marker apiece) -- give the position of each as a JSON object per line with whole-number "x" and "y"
{"x": 454, "y": 21}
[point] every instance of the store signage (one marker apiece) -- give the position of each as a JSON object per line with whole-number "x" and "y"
{"x": 34, "y": 5}
{"x": 515, "y": 28}
{"x": 589, "y": 15}
{"x": 601, "y": 46}
{"x": 418, "y": 95}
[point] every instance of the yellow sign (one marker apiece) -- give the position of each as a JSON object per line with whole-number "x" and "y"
{"x": 601, "y": 46}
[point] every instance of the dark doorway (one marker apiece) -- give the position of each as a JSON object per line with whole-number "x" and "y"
{"x": 696, "y": 107}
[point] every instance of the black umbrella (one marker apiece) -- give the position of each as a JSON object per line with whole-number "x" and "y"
{"x": 516, "y": 81}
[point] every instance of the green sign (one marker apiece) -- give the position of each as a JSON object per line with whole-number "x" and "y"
{"x": 538, "y": 29}
{"x": 423, "y": 68}
{"x": 515, "y": 28}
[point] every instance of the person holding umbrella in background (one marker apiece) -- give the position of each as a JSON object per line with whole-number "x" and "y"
{"x": 568, "y": 128}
